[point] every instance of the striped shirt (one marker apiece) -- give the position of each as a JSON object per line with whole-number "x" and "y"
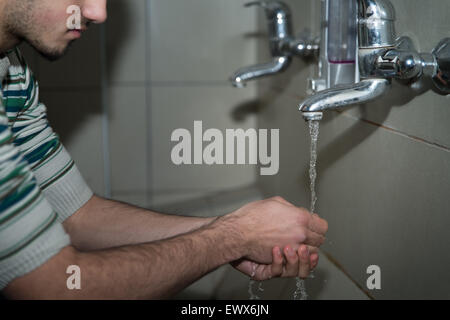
{"x": 40, "y": 186}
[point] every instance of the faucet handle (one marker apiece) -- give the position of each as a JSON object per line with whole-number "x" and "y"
{"x": 256, "y": 3}
{"x": 441, "y": 54}
{"x": 404, "y": 62}
{"x": 279, "y": 24}
{"x": 274, "y": 9}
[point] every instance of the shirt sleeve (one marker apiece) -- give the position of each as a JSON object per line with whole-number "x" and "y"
{"x": 30, "y": 233}
{"x": 56, "y": 173}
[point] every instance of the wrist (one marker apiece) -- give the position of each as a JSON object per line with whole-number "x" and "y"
{"x": 233, "y": 235}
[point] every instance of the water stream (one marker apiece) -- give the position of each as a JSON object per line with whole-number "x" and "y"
{"x": 300, "y": 291}
{"x": 314, "y": 133}
{"x": 253, "y": 295}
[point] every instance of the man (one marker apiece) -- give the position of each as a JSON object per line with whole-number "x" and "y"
{"x": 50, "y": 220}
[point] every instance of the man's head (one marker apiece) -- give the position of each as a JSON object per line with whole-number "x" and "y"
{"x": 43, "y": 23}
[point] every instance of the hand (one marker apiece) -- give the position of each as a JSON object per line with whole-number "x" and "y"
{"x": 262, "y": 225}
{"x": 293, "y": 264}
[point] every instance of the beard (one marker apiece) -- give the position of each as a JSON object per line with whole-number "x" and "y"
{"x": 20, "y": 24}
{"x": 49, "y": 53}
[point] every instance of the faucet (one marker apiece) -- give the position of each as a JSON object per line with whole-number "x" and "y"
{"x": 282, "y": 44}
{"x": 381, "y": 57}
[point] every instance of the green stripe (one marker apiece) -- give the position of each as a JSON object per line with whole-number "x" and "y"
{"x": 20, "y": 209}
{"x": 44, "y": 186}
{"x": 7, "y": 140}
{"x": 15, "y": 172}
{"x": 16, "y": 188}
{"x": 53, "y": 153}
{"x": 21, "y": 215}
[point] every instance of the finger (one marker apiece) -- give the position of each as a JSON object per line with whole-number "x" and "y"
{"x": 313, "y": 239}
{"x": 244, "y": 266}
{"x": 291, "y": 268}
{"x": 277, "y": 262}
{"x": 313, "y": 260}
{"x": 318, "y": 224}
{"x": 304, "y": 267}
{"x": 313, "y": 252}
{"x": 262, "y": 273}
{"x": 312, "y": 249}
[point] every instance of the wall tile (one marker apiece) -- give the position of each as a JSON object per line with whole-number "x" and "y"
{"x": 385, "y": 197}
{"x": 126, "y": 41}
{"x": 128, "y": 138}
{"x": 178, "y": 107}
{"x": 200, "y": 40}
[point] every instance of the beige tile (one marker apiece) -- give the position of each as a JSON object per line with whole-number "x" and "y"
{"x": 128, "y": 138}
{"x": 328, "y": 282}
{"x": 292, "y": 180}
{"x": 200, "y": 40}
{"x": 178, "y": 107}
{"x": 76, "y": 117}
{"x": 385, "y": 198}
{"x": 227, "y": 201}
{"x": 126, "y": 41}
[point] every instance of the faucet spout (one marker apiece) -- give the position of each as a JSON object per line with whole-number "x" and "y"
{"x": 342, "y": 96}
{"x": 240, "y": 77}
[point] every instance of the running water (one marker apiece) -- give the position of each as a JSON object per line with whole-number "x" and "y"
{"x": 300, "y": 291}
{"x": 314, "y": 133}
{"x": 254, "y": 296}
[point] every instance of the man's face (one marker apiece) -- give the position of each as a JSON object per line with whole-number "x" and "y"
{"x": 43, "y": 23}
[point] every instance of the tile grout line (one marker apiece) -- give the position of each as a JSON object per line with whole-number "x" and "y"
{"x": 341, "y": 268}
{"x": 398, "y": 132}
{"x": 148, "y": 106}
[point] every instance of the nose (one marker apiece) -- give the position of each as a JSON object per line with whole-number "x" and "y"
{"x": 95, "y": 10}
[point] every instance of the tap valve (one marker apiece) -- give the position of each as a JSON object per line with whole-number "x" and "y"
{"x": 283, "y": 46}
{"x": 381, "y": 58}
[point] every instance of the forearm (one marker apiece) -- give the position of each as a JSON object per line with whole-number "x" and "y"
{"x": 154, "y": 270}
{"x": 105, "y": 223}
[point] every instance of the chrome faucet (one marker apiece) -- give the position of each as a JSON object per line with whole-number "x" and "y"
{"x": 282, "y": 44}
{"x": 381, "y": 57}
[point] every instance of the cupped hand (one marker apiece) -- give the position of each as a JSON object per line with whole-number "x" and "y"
{"x": 286, "y": 263}
{"x": 265, "y": 224}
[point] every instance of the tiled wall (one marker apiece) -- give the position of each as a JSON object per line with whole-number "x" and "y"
{"x": 164, "y": 64}
{"x": 383, "y": 168}
{"x": 194, "y": 47}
